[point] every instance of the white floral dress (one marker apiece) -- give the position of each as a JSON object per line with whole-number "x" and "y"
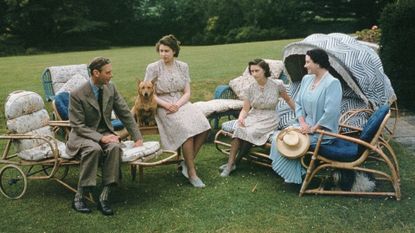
{"x": 262, "y": 119}
{"x": 175, "y": 128}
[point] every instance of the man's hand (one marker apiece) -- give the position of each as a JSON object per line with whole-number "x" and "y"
{"x": 138, "y": 143}
{"x": 110, "y": 138}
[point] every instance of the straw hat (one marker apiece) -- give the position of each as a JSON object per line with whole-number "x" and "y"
{"x": 291, "y": 143}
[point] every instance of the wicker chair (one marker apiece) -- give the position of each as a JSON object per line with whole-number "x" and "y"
{"x": 38, "y": 155}
{"x": 365, "y": 151}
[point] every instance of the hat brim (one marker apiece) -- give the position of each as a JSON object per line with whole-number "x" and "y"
{"x": 293, "y": 152}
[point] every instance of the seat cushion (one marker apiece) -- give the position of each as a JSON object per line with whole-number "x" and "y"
{"x": 218, "y": 106}
{"x": 131, "y": 153}
{"x": 43, "y": 151}
{"x": 62, "y": 105}
{"x": 339, "y": 150}
{"x": 229, "y": 126}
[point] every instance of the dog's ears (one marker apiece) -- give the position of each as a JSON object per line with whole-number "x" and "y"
{"x": 153, "y": 81}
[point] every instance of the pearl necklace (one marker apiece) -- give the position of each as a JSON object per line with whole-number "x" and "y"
{"x": 315, "y": 84}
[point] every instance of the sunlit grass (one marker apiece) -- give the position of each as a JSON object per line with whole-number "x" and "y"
{"x": 165, "y": 201}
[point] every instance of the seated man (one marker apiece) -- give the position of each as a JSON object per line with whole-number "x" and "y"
{"x": 92, "y": 137}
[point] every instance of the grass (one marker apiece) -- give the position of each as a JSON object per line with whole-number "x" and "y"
{"x": 165, "y": 201}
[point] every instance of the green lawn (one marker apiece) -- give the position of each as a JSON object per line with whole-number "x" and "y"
{"x": 165, "y": 201}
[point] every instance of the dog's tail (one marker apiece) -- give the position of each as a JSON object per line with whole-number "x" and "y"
{"x": 355, "y": 181}
{"x": 364, "y": 182}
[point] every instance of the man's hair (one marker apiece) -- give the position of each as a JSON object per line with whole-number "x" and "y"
{"x": 170, "y": 41}
{"x": 97, "y": 63}
{"x": 319, "y": 57}
{"x": 261, "y": 63}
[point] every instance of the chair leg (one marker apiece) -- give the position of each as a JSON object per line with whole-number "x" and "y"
{"x": 140, "y": 174}
{"x": 133, "y": 171}
{"x": 308, "y": 176}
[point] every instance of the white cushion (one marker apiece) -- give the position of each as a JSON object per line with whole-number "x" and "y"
{"x": 42, "y": 152}
{"x": 62, "y": 74}
{"x": 29, "y": 122}
{"x": 229, "y": 126}
{"x": 25, "y": 144}
{"x": 239, "y": 84}
{"x": 218, "y": 105}
{"x": 75, "y": 82}
{"x": 131, "y": 153}
{"x": 21, "y": 103}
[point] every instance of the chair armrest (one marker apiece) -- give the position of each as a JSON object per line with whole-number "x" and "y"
{"x": 344, "y": 137}
{"x": 224, "y": 92}
{"x": 59, "y": 123}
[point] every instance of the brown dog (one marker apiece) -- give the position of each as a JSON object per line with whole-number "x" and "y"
{"x": 145, "y": 105}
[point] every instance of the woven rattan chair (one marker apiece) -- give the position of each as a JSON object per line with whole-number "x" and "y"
{"x": 368, "y": 152}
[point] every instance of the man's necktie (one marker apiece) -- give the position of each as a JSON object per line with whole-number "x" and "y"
{"x": 100, "y": 99}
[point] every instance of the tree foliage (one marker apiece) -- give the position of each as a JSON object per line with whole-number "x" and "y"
{"x": 398, "y": 48}
{"x": 27, "y": 25}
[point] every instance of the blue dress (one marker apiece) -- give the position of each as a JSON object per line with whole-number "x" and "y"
{"x": 319, "y": 106}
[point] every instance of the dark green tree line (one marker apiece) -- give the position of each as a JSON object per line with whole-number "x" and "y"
{"x": 30, "y": 25}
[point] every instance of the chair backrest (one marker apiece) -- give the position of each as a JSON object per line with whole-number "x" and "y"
{"x": 61, "y": 105}
{"x": 63, "y": 78}
{"x": 61, "y": 108}
{"x": 26, "y": 114}
{"x": 371, "y": 127}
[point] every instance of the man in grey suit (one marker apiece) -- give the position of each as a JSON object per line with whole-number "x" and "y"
{"x": 92, "y": 136}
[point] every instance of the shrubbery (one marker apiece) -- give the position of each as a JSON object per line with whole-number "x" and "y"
{"x": 370, "y": 35}
{"x": 398, "y": 49}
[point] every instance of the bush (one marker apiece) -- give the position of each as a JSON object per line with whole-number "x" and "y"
{"x": 370, "y": 35}
{"x": 398, "y": 49}
{"x": 10, "y": 45}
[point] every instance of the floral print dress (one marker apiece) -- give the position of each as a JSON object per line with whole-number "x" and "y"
{"x": 262, "y": 119}
{"x": 188, "y": 121}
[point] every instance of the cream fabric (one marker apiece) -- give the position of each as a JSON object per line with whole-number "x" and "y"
{"x": 62, "y": 74}
{"x": 20, "y": 103}
{"x": 131, "y": 153}
{"x": 239, "y": 84}
{"x": 25, "y": 114}
{"x": 43, "y": 151}
{"x": 218, "y": 105}
{"x": 30, "y": 143}
{"x": 29, "y": 122}
{"x": 75, "y": 82}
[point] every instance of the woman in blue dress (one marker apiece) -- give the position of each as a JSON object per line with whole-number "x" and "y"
{"x": 317, "y": 106}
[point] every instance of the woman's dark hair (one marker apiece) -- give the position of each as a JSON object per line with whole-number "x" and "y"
{"x": 97, "y": 63}
{"x": 170, "y": 41}
{"x": 261, "y": 63}
{"x": 319, "y": 57}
